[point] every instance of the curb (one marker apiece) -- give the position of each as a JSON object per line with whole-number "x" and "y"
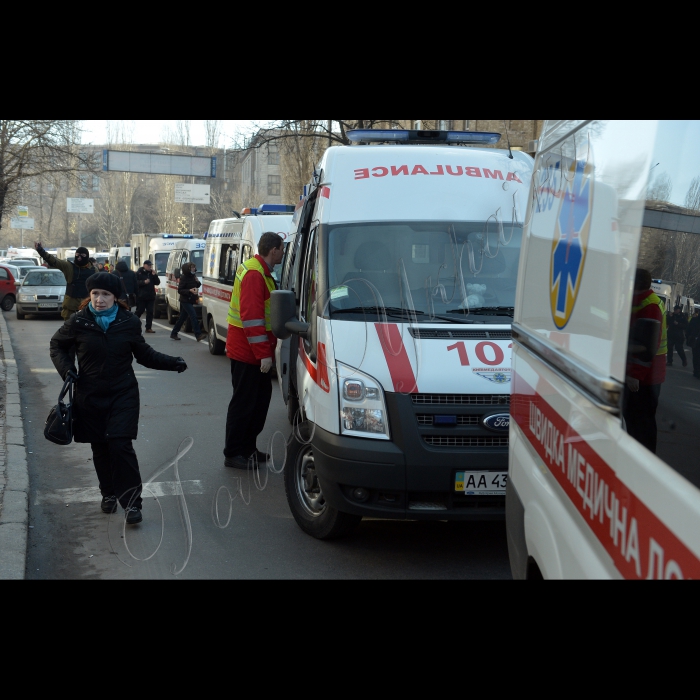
{"x": 14, "y": 472}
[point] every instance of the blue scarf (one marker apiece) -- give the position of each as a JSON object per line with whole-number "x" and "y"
{"x": 104, "y": 318}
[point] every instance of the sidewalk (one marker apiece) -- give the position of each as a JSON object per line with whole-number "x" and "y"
{"x": 14, "y": 474}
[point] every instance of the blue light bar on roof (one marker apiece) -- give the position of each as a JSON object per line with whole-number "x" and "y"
{"x": 375, "y": 135}
{"x": 418, "y": 136}
{"x": 276, "y": 209}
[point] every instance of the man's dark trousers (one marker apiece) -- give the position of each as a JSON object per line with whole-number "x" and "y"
{"x": 678, "y": 345}
{"x": 147, "y": 305}
{"x": 640, "y": 414}
{"x": 696, "y": 358}
{"x": 247, "y": 411}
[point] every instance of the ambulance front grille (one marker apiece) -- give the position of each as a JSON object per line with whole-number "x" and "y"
{"x": 428, "y": 333}
{"x": 461, "y": 399}
{"x": 427, "y": 419}
{"x": 459, "y": 441}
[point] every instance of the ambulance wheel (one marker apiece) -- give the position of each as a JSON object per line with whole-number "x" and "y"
{"x": 216, "y": 346}
{"x": 305, "y": 498}
{"x": 156, "y": 313}
{"x": 20, "y": 317}
{"x": 171, "y": 316}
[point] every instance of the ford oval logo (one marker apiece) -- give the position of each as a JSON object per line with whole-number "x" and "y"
{"x": 498, "y": 421}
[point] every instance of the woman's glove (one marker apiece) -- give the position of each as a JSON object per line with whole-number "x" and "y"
{"x": 180, "y": 365}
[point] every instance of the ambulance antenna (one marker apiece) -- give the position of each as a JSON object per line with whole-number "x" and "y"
{"x": 508, "y": 140}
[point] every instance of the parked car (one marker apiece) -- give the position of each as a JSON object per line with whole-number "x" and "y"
{"x": 41, "y": 292}
{"x": 23, "y": 266}
{"x": 8, "y": 287}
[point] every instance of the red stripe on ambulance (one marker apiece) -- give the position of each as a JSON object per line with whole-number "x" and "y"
{"x": 216, "y": 293}
{"x": 640, "y": 545}
{"x": 400, "y": 369}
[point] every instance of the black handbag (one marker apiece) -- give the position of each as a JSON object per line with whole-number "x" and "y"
{"x": 59, "y": 425}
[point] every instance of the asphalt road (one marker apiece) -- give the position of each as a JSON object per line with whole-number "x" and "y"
{"x": 70, "y": 537}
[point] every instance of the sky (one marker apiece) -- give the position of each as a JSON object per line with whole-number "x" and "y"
{"x": 151, "y": 130}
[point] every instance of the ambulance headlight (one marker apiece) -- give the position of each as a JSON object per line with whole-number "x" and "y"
{"x": 362, "y": 407}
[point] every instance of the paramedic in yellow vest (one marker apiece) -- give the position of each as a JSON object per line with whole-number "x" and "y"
{"x": 250, "y": 345}
{"x": 644, "y": 375}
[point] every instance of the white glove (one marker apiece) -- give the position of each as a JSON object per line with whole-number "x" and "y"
{"x": 266, "y": 365}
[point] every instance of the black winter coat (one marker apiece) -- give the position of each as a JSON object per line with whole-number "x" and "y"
{"x": 693, "y": 331}
{"x": 106, "y": 398}
{"x": 129, "y": 277}
{"x": 146, "y": 291}
{"x": 188, "y": 281}
{"x": 675, "y": 327}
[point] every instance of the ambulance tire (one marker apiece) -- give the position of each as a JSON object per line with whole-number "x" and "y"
{"x": 172, "y": 317}
{"x": 216, "y": 346}
{"x": 156, "y": 313}
{"x": 305, "y": 498}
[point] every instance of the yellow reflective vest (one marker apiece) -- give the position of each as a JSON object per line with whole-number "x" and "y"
{"x": 653, "y": 299}
{"x": 234, "y": 309}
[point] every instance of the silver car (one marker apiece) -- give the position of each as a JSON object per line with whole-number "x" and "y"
{"x": 41, "y": 292}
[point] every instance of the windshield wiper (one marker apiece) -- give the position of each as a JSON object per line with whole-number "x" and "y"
{"x": 485, "y": 310}
{"x": 390, "y": 311}
{"x": 455, "y": 320}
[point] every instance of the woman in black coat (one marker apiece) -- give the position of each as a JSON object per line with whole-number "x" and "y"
{"x": 105, "y": 337}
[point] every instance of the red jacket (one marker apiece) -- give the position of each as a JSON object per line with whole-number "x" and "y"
{"x": 655, "y": 373}
{"x": 254, "y": 294}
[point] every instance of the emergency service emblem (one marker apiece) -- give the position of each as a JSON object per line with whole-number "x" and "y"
{"x": 570, "y": 242}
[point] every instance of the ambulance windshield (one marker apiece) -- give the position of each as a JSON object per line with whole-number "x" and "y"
{"x": 450, "y": 269}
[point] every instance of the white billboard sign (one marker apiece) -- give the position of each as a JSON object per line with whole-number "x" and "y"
{"x": 76, "y": 205}
{"x": 22, "y": 222}
{"x": 192, "y": 194}
{"x": 159, "y": 163}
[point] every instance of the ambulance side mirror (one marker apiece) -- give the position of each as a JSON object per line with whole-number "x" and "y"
{"x": 283, "y": 317}
{"x": 644, "y": 340}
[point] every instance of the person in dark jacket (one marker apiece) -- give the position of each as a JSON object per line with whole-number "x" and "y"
{"x": 147, "y": 280}
{"x": 676, "y": 323}
{"x": 128, "y": 284}
{"x": 106, "y": 337}
{"x": 187, "y": 287}
{"x": 692, "y": 337}
{"x": 76, "y": 273}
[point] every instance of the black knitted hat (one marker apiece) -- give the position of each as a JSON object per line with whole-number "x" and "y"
{"x": 105, "y": 280}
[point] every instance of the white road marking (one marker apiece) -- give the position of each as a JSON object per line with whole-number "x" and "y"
{"x": 92, "y": 493}
{"x": 170, "y": 329}
{"x": 44, "y": 370}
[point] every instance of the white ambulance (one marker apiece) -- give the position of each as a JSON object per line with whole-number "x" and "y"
{"x": 156, "y": 247}
{"x": 396, "y": 302}
{"x": 186, "y": 248}
{"x": 117, "y": 253}
{"x": 229, "y": 243}
{"x": 604, "y": 476}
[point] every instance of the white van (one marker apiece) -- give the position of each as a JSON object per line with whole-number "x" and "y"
{"x": 117, "y": 253}
{"x": 603, "y": 476}
{"x": 24, "y": 254}
{"x": 186, "y": 249}
{"x": 229, "y": 243}
{"x": 396, "y": 301}
{"x": 156, "y": 247}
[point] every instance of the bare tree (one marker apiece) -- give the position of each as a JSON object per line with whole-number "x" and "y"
{"x": 212, "y": 127}
{"x": 32, "y": 149}
{"x": 660, "y": 189}
{"x": 182, "y": 132}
